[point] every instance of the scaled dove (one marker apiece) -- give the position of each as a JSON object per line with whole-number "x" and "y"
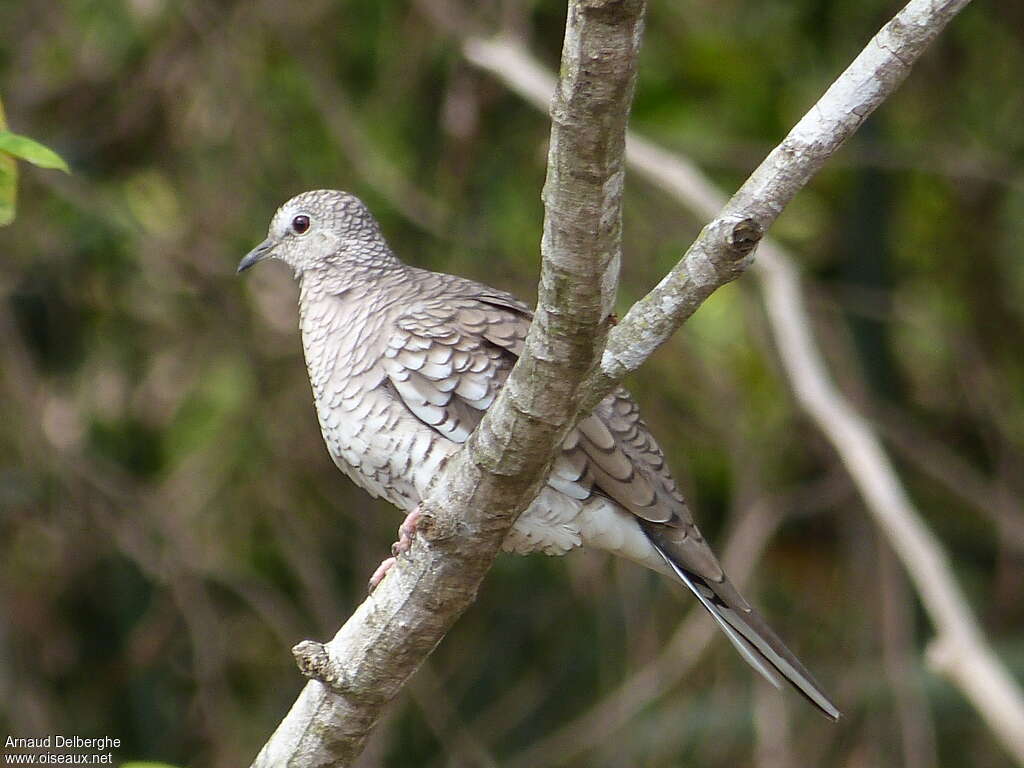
{"x": 403, "y": 363}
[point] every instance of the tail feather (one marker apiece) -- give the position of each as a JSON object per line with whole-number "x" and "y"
{"x": 757, "y": 643}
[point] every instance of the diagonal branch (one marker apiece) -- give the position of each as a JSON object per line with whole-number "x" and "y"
{"x": 721, "y": 252}
{"x": 477, "y": 497}
{"x": 959, "y": 650}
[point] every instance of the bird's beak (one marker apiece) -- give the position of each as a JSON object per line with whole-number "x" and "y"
{"x": 259, "y": 253}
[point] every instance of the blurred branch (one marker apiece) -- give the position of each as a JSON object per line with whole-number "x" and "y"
{"x": 722, "y": 251}
{"x": 461, "y": 745}
{"x": 774, "y": 737}
{"x": 682, "y": 654}
{"x": 959, "y": 651}
{"x": 917, "y": 732}
{"x": 484, "y": 486}
{"x": 956, "y": 476}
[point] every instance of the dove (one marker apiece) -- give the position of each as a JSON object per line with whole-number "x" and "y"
{"x": 403, "y": 363}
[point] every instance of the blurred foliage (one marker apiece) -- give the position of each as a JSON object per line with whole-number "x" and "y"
{"x": 170, "y": 523}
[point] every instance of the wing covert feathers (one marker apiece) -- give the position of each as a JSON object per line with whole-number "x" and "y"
{"x": 450, "y": 354}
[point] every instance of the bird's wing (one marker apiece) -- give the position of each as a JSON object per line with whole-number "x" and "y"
{"x": 665, "y": 518}
{"x": 447, "y": 358}
{"x": 451, "y": 352}
{"x": 627, "y": 465}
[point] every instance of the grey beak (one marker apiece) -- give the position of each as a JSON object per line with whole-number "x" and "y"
{"x": 259, "y": 253}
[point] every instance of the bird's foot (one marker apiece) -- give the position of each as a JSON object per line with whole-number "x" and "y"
{"x": 380, "y": 573}
{"x": 406, "y": 534}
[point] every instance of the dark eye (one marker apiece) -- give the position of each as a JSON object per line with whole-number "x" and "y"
{"x": 300, "y": 224}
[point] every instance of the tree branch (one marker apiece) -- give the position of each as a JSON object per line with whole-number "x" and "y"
{"x": 721, "y": 252}
{"x": 485, "y": 485}
{"x": 959, "y": 651}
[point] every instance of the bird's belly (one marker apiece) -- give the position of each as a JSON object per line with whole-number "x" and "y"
{"x": 383, "y": 449}
{"x": 389, "y": 453}
{"x": 556, "y": 523}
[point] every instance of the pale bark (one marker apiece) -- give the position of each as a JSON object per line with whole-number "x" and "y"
{"x": 713, "y": 259}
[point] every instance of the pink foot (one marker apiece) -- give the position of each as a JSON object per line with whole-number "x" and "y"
{"x": 406, "y": 533}
{"x": 380, "y": 573}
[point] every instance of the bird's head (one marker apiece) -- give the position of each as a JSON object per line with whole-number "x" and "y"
{"x": 321, "y": 228}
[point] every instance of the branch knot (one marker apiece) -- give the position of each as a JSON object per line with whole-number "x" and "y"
{"x": 728, "y": 243}
{"x": 744, "y": 237}
{"x": 314, "y": 661}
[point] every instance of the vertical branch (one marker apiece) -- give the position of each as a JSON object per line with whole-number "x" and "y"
{"x": 581, "y": 244}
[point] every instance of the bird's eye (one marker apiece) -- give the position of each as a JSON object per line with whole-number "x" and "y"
{"x": 300, "y": 224}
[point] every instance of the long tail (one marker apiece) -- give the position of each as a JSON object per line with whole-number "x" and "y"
{"x": 755, "y": 640}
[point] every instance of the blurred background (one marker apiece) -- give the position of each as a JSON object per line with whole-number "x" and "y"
{"x": 171, "y": 524}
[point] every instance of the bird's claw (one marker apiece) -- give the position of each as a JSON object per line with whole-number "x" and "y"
{"x": 380, "y": 573}
{"x": 406, "y": 534}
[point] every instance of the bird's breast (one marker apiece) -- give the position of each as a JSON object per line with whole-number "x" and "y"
{"x": 360, "y": 421}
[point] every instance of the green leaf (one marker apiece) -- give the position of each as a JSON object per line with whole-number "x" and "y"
{"x": 8, "y": 180}
{"x": 28, "y": 149}
{"x": 8, "y": 188}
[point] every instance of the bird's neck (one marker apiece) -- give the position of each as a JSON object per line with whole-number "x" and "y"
{"x": 339, "y": 311}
